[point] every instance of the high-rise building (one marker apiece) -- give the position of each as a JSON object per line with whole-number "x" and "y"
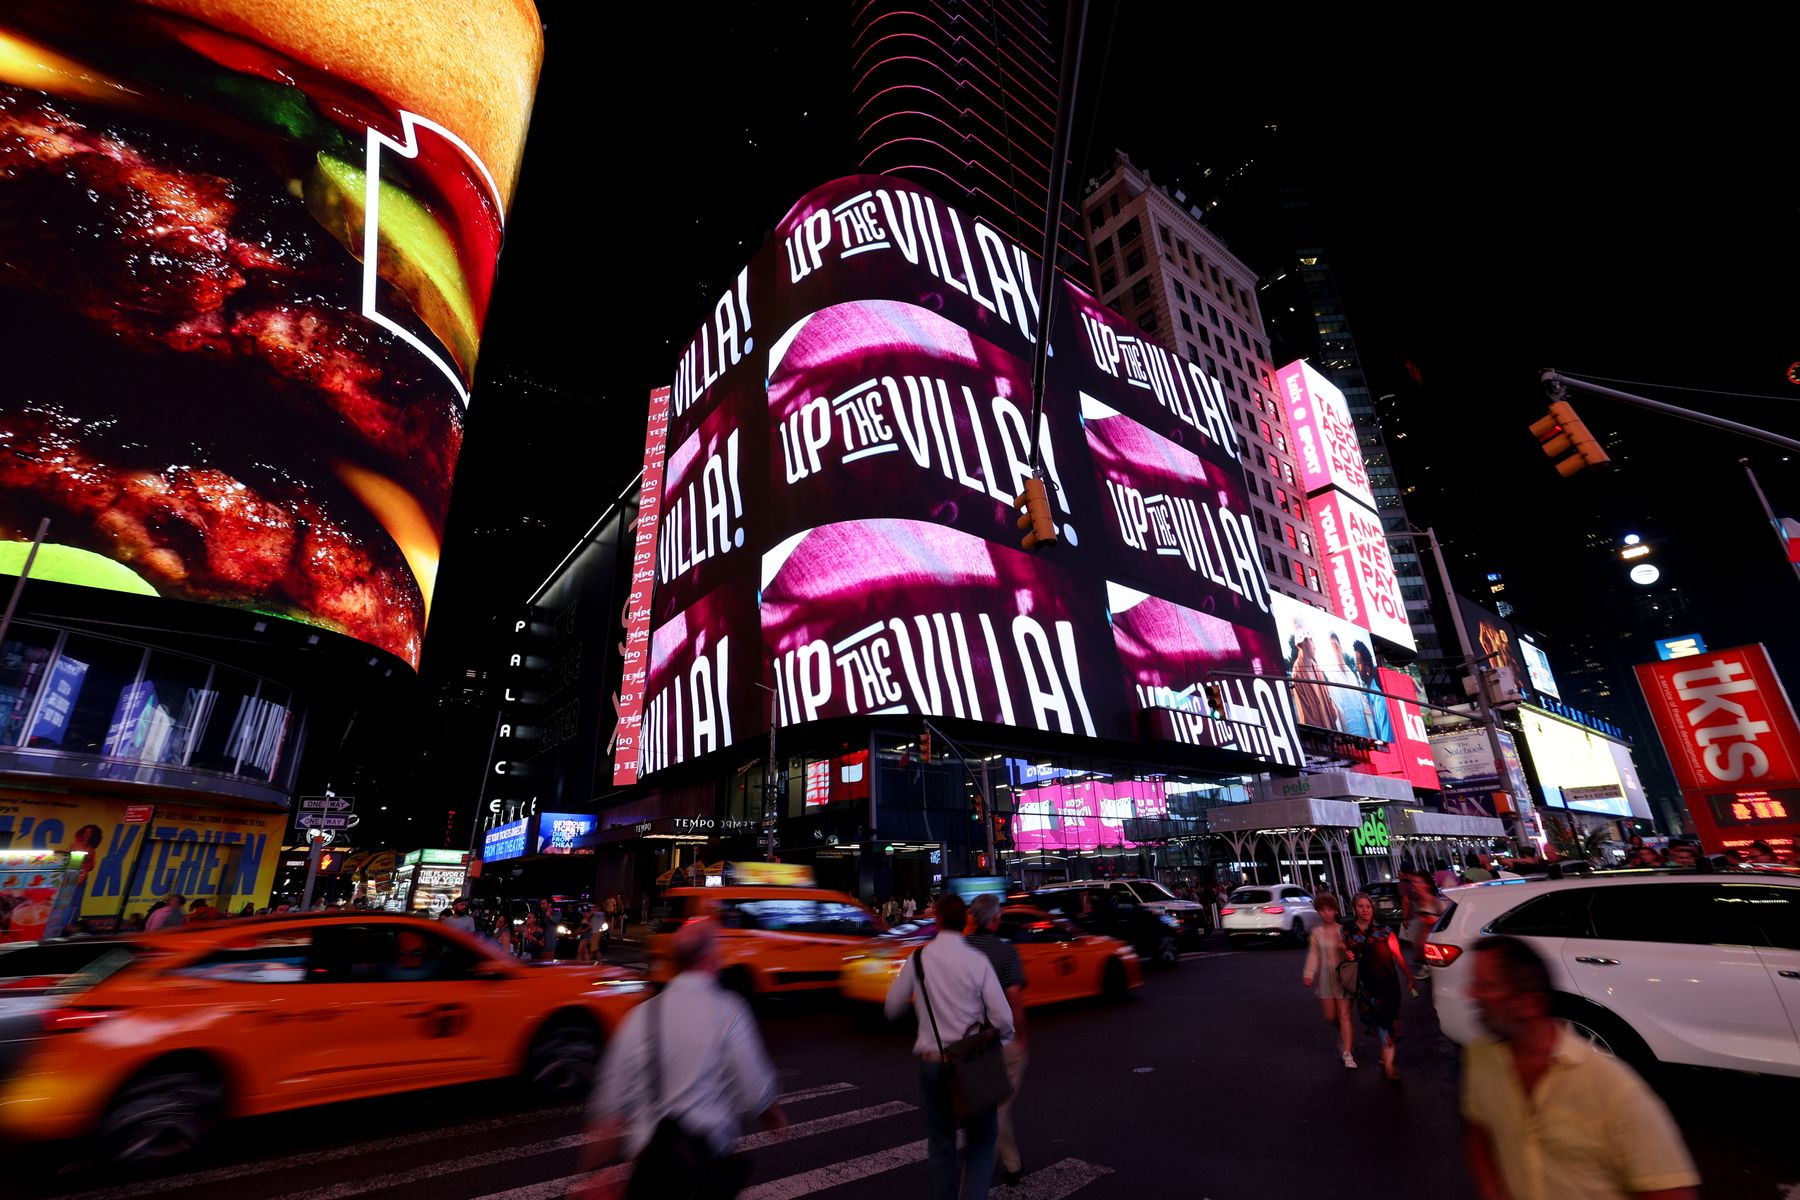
{"x": 959, "y": 96}
{"x": 1264, "y": 208}
{"x": 1156, "y": 263}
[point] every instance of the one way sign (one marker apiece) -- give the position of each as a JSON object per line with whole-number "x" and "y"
{"x": 327, "y": 803}
{"x": 322, "y": 821}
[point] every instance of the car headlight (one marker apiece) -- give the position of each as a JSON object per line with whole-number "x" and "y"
{"x": 562, "y": 931}
{"x": 605, "y": 925}
{"x": 622, "y": 987}
{"x": 1171, "y": 922}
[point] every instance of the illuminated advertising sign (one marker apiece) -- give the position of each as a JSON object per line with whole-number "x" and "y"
{"x": 637, "y": 601}
{"x": 1465, "y": 768}
{"x": 1724, "y": 719}
{"x": 1324, "y": 436}
{"x": 1496, "y": 640}
{"x": 504, "y": 841}
{"x": 1325, "y": 651}
{"x": 1410, "y": 754}
{"x": 1685, "y": 646}
{"x": 1537, "y": 668}
{"x": 1085, "y": 815}
{"x": 845, "y": 439}
{"x": 1780, "y": 806}
{"x": 561, "y": 833}
{"x": 1574, "y": 766}
{"x": 248, "y": 314}
{"x": 1359, "y": 567}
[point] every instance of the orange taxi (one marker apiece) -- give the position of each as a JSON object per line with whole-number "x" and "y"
{"x": 1061, "y": 961}
{"x": 166, "y": 1034}
{"x": 772, "y": 939}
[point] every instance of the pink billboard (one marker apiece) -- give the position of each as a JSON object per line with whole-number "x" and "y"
{"x": 1324, "y": 435}
{"x": 1359, "y": 568}
{"x": 1088, "y": 814}
{"x": 1409, "y": 753}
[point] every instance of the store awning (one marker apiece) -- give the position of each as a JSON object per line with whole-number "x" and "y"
{"x": 1294, "y": 813}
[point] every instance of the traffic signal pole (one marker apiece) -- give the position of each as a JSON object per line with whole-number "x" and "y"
{"x": 987, "y": 808}
{"x": 1556, "y": 380}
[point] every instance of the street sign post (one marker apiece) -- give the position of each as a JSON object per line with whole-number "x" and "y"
{"x": 327, "y": 803}
{"x": 319, "y": 815}
{"x": 322, "y": 821}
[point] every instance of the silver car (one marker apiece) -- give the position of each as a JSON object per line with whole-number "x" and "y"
{"x": 1280, "y": 910}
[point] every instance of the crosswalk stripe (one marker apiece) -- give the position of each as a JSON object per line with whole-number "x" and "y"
{"x": 172, "y": 1183}
{"x": 449, "y": 1166}
{"x": 813, "y": 1093}
{"x": 550, "y": 1189}
{"x": 1053, "y": 1182}
{"x": 808, "y": 1182}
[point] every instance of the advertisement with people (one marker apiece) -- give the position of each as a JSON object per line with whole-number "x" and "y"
{"x": 137, "y": 854}
{"x": 247, "y": 316}
{"x": 1321, "y": 651}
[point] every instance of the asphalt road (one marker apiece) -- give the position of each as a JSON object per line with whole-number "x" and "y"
{"x": 1216, "y": 1080}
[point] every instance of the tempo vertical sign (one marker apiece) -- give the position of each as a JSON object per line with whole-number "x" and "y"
{"x": 637, "y": 602}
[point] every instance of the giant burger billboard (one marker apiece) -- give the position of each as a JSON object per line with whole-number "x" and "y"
{"x": 846, "y": 436}
{"x": 246, "y": 251}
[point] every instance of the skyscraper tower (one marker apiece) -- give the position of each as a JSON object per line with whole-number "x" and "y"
{"x": 959, "y": 96}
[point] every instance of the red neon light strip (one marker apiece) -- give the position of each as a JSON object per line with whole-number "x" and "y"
{"x": 637, "y": 613}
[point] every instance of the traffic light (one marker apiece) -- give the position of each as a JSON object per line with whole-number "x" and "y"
{"x": 1034, "y": 515}
{"x": 1003, "y": 831}
{"x": 925, "y": 747}
{"x": 1563, "y": 431}
{"x": 1215, "y": 701}
{"x": 976, "y": 811}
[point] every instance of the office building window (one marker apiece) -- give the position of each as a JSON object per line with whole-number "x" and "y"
{"x": 1299, "y": 572}
{"x": 1140, "y": 292}
{"x": 1134, "y": 261}
{"x": 1148, "y": 322}
{"x": 1230, "y": 329}
{"x": 1163, "y": 233}
{"x": 1212, "y": 368}
{"x": 1230, "y": 288}
{"x": 1103, "y": 250}
{"x": 1306, "y": 545}
{"x": 1097, "y": 218}
{"x": 1180, "y": 292}
{"x": 1293, "y": 539}
{"x": 1181, "y": 248}
{"x": 1237, "y": 414}
{"x": 1130, "y": 232}
{"x": 1187, "y": 351}
{"x": 1212, "y": 314}
{"x": 1186, "y": 325}
{"x": 1286, "y": 563}
{"x": 1287, "y": 473}
{"x": 1281, "y": 442}
{"x": 1115, "y": 204}
{"x": 1262, "y": 524}
{"x": 1312, "y": 580}
{"x": 1268, "y": 492}
{"x": 1215, "y": 275}
{"x": 1262, "y": 427}
{"x": 1109, "y": 279}
{"x": 1268, "y": 558}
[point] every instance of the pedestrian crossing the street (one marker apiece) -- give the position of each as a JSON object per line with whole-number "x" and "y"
{"x": 288, "y": 1177}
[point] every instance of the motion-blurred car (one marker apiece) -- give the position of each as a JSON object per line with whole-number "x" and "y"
{"x": 1272, "y": 911}
{"x": 1194, "y": 918}
{"x": 235, "y": 1018}
{"x": 1388, "y": 906}
{"x": 773, "y": 940}
{"x": 1061, "y": 962}
{"x": 44, "y": 975}
{"x": 1096, "y": 908}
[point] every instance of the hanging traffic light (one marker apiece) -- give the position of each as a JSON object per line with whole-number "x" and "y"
{"x": 1215, "y": 701}
{"x": 1563, "y": 431}
{"x": 925, "y": 747}
{"x": 1003, "y": 837}
{"x": 977, "y": 812}
{"x": 1034, "y": 515}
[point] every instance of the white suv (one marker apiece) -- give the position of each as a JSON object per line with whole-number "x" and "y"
{"x": 1699, "y": 969}
{"x": 1269, "y": 911}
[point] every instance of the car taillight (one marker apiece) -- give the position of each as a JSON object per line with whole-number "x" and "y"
{"x": 1441, "y": 955}
{"x": 74, "y": 1020}
{"x": 1226, "y": 912}
{"x": 1277, "y": 909}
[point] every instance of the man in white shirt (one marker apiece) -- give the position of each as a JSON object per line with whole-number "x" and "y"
{"x": 692, "y": 1055}
{"x": 964, "y": 991}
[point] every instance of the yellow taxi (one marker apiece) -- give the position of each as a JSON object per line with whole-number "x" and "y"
{"x": 775, "y": 937}
{"x": 1061, "y": 961}
{"x": 157, "y": 1038}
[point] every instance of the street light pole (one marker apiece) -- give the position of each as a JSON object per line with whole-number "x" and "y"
{"x": 987, "y": 808}
{"x": 769, "y": 815}
{"x": 1478, "y": 666}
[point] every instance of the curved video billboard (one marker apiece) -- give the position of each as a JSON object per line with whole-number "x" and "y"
{"x": 844, "y": 440}
{"x": 247, "y": 254}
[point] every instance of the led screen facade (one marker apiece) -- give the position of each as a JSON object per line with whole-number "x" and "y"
{"x": 1331, "y": 657}
{"x": 1575, "y": 767}
{"x": 1325, "y": 439}
{"x": 845, "y": 439}
{"x": 241, "y": 338}
{"x": 1359, "y": 567}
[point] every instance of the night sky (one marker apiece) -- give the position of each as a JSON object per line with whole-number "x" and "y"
{"x": 1493, "y": 204}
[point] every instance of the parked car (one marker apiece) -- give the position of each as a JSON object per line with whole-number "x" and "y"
{"x": 1096, "y": 908}
{"x": 1268, "y": 912}
{"x": 1653, "y": 966}
{"x": 1195, "y": 920}
{"x": 1388, "y": 907}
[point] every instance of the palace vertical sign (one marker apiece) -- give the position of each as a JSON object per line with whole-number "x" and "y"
{"x": 637, "y": 601}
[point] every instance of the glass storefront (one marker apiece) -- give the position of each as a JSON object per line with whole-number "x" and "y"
{"x": 82, "y": 696}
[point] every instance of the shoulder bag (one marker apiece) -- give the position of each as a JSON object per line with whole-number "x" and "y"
{"x": 1346, "y": 969}
{"x": 674, "y": 1162}
{"x": 977, "y": 1069}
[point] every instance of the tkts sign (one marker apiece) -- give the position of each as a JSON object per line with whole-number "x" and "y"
{"x": 1724, "y": 719}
